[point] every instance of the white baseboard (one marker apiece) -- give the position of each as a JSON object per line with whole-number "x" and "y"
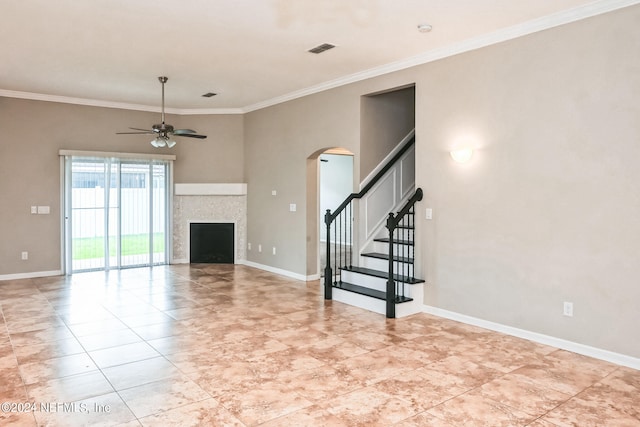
{"x": 265, "y": 268}
{"x": 279, "y": 271}
{"x": 596, "y": 353}
{"x": 31, "y": 275}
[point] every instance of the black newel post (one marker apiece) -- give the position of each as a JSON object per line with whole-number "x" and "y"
{"x": 391, "y": 285}
{"x": 328, "y": 273}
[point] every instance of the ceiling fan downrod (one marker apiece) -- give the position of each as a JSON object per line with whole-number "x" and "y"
{"x": 163, "y": 80}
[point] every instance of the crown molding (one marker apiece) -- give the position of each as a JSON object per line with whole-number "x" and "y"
{"x": 196, "y": 111}
{"x": 499, "y": 36}
{"x": 119, "y": 105}
{"x": 76, "y": 101}
{"x": 550, "y": 21}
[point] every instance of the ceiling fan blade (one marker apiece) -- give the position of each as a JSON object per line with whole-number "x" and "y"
{"x": 191, "y": 135}
{"x": 147, "y": 132}
{"x": 183, "y": 131}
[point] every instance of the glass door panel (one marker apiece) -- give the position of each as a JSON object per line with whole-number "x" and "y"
{"x": 117, "y": 213}
{"x": 135, "y": 190}
{"x": 87, "y": 224}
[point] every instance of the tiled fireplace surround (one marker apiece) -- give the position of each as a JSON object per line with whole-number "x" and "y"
{"x": 208, "y": 203}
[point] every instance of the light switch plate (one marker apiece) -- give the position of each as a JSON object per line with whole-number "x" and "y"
{"x": 292, "y": 207}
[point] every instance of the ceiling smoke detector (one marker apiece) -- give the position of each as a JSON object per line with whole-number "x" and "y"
{"x": 424, "y": 28}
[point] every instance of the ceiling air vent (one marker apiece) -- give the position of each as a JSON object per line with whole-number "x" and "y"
{"x": 321, "y": 48}
{"x": 209, "y": 94}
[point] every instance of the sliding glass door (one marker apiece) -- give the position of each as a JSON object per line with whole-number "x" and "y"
{"x": 117, "y": 212}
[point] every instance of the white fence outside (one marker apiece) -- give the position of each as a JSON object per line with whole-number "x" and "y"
{"x": 88, "y": 211}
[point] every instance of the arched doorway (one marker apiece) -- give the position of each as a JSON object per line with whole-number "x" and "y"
{"x": 330, "y": 179}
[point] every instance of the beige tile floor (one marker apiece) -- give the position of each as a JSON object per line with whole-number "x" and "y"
{"x": 228, "y": 345}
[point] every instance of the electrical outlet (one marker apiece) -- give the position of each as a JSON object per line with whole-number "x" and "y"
{"x": 274, "y": 250}
{"x": 568, "y": 309}
{"x": 25, "y": 256}
{"x": 428, "y": 213}
{"x": 259, "y": 248}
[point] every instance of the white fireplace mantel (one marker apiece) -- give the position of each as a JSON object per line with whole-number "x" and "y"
{"x": 207, "y": 189}
{"x": 208, "y": 202}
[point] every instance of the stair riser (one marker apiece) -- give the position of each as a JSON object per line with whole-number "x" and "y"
{"x": 402, "y": 233}
{"x": 398, "y": 234}
{"x": 380, "y": 264}
{"x": 372, "y": 282}
{"x": 379, "y": 306}
{"x": 383, "y": 247}
{"x": 367, "y": 281}
{"x": 362, "y": 301}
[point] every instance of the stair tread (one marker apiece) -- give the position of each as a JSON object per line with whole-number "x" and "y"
{"x": 368, "y": 292}
{"x": 383, "y": 274}
{"x": 399, "y": 242}
{"x": 379, "y": 255}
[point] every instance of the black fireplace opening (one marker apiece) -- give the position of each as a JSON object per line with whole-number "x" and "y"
{"x": 211, "y": 243}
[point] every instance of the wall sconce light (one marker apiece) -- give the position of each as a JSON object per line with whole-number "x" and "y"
{"x": 462, "y": 155}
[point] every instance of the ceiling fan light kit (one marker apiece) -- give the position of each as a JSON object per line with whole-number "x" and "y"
{"x": 164, "y": 132}
{"x": 160, "y": 142}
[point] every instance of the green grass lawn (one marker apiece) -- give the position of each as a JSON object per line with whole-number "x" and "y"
{"x": 132, "y": 244}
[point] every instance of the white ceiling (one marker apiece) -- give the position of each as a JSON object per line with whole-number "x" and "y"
{"x": 252, "y": 53}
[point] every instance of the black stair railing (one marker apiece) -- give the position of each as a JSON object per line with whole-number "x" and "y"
{"x": 341, "y": 223}
{"x": 401, "y": 228}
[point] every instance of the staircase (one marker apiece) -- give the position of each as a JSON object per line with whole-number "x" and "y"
{"x": 381, "y": 277}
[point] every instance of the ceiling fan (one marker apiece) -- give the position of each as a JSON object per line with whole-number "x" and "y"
{"x": 164, "y": 132}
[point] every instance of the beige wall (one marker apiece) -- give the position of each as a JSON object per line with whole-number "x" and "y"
{"x": 32, "y": 133}
{"x": 278, "y": 142}
{"x": 547, "y": 210}
{"x": 219, "y": 158}
{"x": 385, "y": 119}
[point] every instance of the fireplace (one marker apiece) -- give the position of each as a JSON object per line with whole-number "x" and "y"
{"x": 211, "y": 242}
